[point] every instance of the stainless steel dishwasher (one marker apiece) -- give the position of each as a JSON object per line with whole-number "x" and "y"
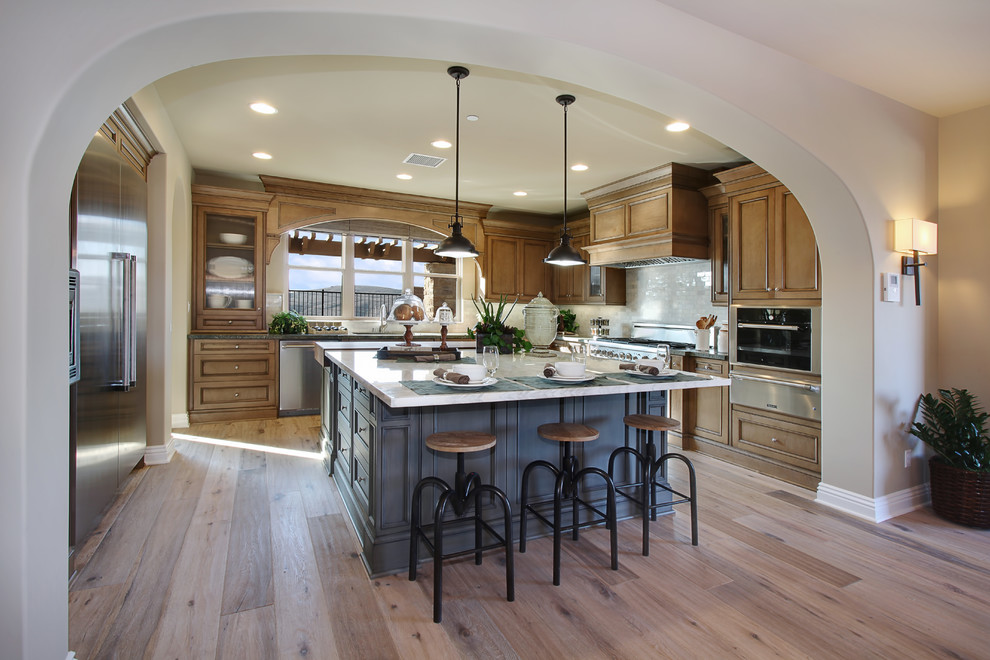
{"x": 298, "y": 378}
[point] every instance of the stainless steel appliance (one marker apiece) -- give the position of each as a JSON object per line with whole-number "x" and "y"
{"x": 776, "y": 337}
{"x": 646, "y": 337}
{"x": 299, "y": 377}
{"x": 108, "y": 225}
{"x": 775, "y": 359}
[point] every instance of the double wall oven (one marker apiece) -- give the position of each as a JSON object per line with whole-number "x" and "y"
{"x": 775, "y": 359}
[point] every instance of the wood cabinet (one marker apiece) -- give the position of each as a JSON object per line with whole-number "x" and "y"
{"x": 232, "y": 379}
{"x": 515, "y": 267}
{"x": 654, "y": 214}
{"x": 703, "y": 412}
{"x": 779, "y": 445}
{"x": 228, "y": 259}
{"x": 719, "y": 234}
{"x": 772, "y": 250}
{"x": 588, "y": 285}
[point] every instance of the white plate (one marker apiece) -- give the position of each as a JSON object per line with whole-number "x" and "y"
{"x": 568, "y": 379}
{"x": 663, "y": 373}
{"x": 229, "y": 267}
{"x": 481, "y": 383}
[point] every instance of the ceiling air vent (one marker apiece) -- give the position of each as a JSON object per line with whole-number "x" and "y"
{"x": 424, "y": 160}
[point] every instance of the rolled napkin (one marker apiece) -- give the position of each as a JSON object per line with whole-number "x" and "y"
{"x": 436, "y": 357}
{"x": 549, "y": 370}
{"x": 643, "y": 368}
{"x": 451, "y": 376}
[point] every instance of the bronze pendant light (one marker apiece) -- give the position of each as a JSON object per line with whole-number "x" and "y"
{"x": 457, "y": 245}
{"x": 565, "y": 254}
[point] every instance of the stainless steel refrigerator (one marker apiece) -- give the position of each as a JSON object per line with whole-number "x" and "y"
{"x": 108, "y": 225}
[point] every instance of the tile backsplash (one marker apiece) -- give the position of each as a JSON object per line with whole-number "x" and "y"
{"x": 673, "y": 293}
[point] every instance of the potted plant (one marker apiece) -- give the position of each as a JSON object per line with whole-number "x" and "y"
{"x": 492, "y": 330}
{"x": 954, "y": 426}
{"x": 288, "y": 323}
{"x": 568, "y": 322}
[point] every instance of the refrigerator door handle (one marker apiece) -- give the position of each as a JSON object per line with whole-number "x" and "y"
{"x": 123, "y": 324}
{"x": 132, "y": 329}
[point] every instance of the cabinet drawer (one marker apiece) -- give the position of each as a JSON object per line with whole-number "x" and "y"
{"x": 206, "y": 323}
{"x": 362, "y": 436}
{"x": 711, "y": 367}
{"x": 362, "y": 482}
{"x": 217, "y": 367}
{"x": 248, "y": 394}
{"x": 233, "y": 346}
{"x": 362, "y": 398}
{"x": 777, "y": 438}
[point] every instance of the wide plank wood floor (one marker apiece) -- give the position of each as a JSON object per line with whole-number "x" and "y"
{"x": 238, "y": 551}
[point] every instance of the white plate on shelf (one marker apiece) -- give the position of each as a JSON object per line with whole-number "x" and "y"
{"x": 229, "y": 267}
{"x": 469, "y": 385}
{"x": 664, "y": 373}
{"x": 570, "y": 379}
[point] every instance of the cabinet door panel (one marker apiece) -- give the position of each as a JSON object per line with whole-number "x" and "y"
{"x": 797, "y": 252}
{"x": 503, "y": 257}
{"x": 535, "y": 273}
{"x": 649, "y": 215}
{"x": 608, "y": 223}
{"x": 752, "y": 244}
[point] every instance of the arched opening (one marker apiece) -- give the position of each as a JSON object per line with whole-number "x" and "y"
{"x": 150, "y": 51}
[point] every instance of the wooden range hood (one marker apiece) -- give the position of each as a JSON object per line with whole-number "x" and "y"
{"x": 655, "y": 217}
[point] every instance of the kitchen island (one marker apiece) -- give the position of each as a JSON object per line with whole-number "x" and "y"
{"x": 376, "y": 415}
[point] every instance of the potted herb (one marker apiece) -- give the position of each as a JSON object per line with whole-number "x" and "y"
{"x": 954, "y": 426}
{"x": 288, "y": 323}
{"x": 568, "y": 322}
{"x": 492, "y": 330}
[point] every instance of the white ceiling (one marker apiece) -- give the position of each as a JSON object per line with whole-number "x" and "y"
{"x": 352, "y": 120}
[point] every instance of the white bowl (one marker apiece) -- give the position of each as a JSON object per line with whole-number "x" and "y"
{"x": 476, "y": 372}
{"x": 569, "y": 369}
{"x": 233, "y": 239}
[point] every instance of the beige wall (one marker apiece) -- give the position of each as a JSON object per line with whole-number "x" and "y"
{"x": 963, "y": 241}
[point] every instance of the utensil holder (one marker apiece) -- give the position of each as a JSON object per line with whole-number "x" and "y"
{"x": 703, "y": 339}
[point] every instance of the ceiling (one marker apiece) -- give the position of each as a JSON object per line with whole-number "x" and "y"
{"x": 353, "y": 120}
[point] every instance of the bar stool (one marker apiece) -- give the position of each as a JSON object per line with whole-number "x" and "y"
{"x": 567, "y": 478}
{"x": 649, "y": 465}
{"x": 467, "y": 489}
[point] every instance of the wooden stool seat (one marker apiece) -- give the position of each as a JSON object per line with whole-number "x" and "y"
{"x": 459, "y": 442}
{"x": 651, "y": 422}
{"x": 565, "y": 432}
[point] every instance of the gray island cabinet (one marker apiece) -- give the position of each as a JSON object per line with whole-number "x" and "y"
{"x": 374, "y": 428}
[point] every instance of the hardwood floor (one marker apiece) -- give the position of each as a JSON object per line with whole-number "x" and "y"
{"x": 240, "y": 552}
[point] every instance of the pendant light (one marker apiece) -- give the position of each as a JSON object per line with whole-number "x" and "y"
{"x": 565, "y": 254}
{"x": 457, "y": 245}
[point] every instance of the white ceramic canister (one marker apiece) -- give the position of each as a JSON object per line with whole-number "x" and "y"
{"x": 540, "y": 323}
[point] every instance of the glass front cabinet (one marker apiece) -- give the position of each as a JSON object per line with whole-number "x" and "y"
{"x": 228, "y": 260}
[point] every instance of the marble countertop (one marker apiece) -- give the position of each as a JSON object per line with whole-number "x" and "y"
{"x": 384, "y": 379}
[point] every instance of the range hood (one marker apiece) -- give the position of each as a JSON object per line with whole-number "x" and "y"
{"x": 652, "y": 218}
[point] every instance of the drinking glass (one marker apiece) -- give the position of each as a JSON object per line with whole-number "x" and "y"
{"x": 489, "y": 358}
{"x": 663, "y": 355}
{"x": 579, "y": 351}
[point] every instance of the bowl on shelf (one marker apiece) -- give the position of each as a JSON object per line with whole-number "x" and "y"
{"x": 233, "y": 239}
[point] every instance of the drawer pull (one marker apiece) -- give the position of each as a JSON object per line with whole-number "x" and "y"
{"x": 236, "y": 394}
{"x": 237, "y": 346}
{"x": 230, "y": 322}
{"x": 362, "y": 429}
{"x": 343, "y": 409}
{"x": 774, "y": 440}
{"x": 236, "y": 367}
{"x": 359, "y": 479}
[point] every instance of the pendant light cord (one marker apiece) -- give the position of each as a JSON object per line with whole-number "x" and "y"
{"x": 457, "y": 155}
{"x": 565, "y": 167}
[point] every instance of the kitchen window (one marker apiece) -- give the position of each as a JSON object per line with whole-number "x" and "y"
{"x": 351, "y": 276}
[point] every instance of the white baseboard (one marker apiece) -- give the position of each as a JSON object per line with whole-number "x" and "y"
{"x": 180, "y": 420}
{"x": 159, "y": 454}
{"x": 71, "y": 656}
{"x": 874, "y": 509}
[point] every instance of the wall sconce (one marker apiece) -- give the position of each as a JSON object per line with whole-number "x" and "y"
{"x": 915, "y": 237}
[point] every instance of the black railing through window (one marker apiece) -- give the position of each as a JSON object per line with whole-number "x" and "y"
{"x": 328, "y": 303}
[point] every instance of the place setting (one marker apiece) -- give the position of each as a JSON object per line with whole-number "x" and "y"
{"x": 466, "y": 376}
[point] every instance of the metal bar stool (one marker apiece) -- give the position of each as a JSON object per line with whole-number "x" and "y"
{"x": 467, "y": 490}
{"x": 566, "y": 486}
{"x": 649, "y": 465}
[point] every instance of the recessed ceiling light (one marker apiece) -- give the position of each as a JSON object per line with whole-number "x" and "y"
{"x": 520, "y": 193}
{"x": 472, "y": 117}
{"x": 580, "y": 167}
{"x": 261, "y": 155}
{"x": 404, "y": 177}
{"x": 264, "y": 108}
{"x": 678, "y": 126}
{"x": 441, "y": 144}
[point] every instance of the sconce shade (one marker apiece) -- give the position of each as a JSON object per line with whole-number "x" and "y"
{"x": 913, "y": 235}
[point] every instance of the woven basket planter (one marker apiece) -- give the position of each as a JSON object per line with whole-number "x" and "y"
{"x": 960, "y": 496}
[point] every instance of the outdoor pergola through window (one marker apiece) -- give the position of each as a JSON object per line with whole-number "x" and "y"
{"x": 352, "y": 275}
